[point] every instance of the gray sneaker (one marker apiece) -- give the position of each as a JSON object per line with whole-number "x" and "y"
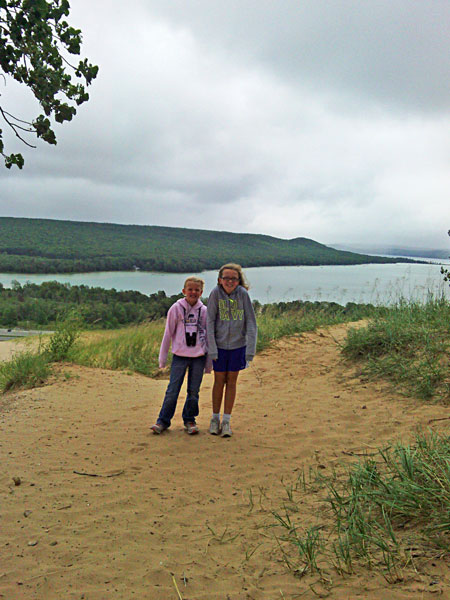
{"x": 191, "y": 428}
{"x": 214, "y": 427}
{"x": 226, "y": 430}
{"x": 158, "y": 428}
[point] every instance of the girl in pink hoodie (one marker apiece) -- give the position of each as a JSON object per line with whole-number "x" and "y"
{"x": 186, "y": 331}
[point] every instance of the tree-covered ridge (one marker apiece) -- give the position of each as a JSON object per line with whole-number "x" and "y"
{"x": 50, "y": 246}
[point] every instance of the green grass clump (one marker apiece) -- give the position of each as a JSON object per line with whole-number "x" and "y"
{"x": 25, "y": 370}
{"x": 408, "y": 344}
{"x": 381, "y": 508}
{"x": 404, "y": 487}
{"x": 132, "y": 348}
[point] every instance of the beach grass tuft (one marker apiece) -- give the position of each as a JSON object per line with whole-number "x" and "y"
{"x": 132, "y": 348}
{"x": 408, "y": 345}
{"x": 375, "y": 513}
{"x": 25, "y": 370}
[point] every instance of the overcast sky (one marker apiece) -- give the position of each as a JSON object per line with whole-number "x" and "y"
{"x": 326, "y": 119}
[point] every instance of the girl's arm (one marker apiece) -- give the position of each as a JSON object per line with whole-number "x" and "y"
{"x": 208, "y": 364}
{"x": 211, "y": 314}
{"x": 251, "y": 328}
{"x": 169, "y": 332}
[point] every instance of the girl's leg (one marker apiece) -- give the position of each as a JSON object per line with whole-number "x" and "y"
{"x": 230, "y": 391}
{"x": 177, "y": 373}
{"x": 217, "y": 391}
{"x": 195, "y": 376}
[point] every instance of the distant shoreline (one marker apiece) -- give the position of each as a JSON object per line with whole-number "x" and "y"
{"x": 390, "y": 260}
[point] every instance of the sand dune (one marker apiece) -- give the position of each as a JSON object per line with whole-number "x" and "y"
{"x": 106, "y": 510}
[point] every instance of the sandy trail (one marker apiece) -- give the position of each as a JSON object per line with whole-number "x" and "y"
{"x": 176, "y": 516}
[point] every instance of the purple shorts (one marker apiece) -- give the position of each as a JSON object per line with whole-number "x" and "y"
{"x": 230, "y": 360}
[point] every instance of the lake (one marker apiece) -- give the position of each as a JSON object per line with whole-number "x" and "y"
{"x": 374, "y": 283}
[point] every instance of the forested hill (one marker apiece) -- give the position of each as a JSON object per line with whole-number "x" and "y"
{"x": 50, "y": 246}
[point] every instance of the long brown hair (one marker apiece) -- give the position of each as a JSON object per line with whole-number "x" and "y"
{"x": 235, "y": 267}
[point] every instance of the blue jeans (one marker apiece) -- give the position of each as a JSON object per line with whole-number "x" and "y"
{"x": 195, "y": 367}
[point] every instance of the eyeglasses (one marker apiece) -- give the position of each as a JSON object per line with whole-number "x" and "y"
{"x": 232, "y": 279}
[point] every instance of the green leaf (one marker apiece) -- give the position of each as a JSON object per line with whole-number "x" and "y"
{"x": 14, "y": 159}
{"x": 64, "y": 113}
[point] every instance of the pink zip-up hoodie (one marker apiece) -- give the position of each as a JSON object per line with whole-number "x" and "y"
{"x": 175, "y": 332}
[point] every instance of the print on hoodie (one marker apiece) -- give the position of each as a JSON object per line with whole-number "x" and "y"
{"x": 237, "y": 314}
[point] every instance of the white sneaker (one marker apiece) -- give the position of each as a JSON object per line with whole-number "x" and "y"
{"x": 214, "y": 427}
{"x": 226, "y": 429}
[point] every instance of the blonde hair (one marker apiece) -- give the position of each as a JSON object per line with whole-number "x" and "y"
{"x": 193, "y": 279}
{"x": 235, "y": 267}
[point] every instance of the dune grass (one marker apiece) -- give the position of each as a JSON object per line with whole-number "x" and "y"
{"x": 132, "y": 348}
{"x": 390, "y": 512}
{"x": 25, "y": 370}
{"x": 271, "y": 328}
{"x": 408, "y": 345}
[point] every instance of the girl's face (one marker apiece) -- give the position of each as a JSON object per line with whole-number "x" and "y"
{"x": 229, "y": 280}
{"x": 192, "y": 292}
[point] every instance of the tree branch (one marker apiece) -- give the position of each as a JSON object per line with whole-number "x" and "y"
{"x": 13, "y": 127}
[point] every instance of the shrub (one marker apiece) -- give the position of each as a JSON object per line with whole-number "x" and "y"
{"x": 63, "y": 339}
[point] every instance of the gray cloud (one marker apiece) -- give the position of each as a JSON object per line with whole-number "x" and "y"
{"x": 393, "y": 52}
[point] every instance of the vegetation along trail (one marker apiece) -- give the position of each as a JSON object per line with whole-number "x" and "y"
{"x": 100, "y": 508}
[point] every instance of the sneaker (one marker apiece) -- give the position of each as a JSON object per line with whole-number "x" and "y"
{"x": 214, "y": 427}
{"x": 226, "y": 430}
{"x": 158, "y": 428}
{"x": 191, "y": 428}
